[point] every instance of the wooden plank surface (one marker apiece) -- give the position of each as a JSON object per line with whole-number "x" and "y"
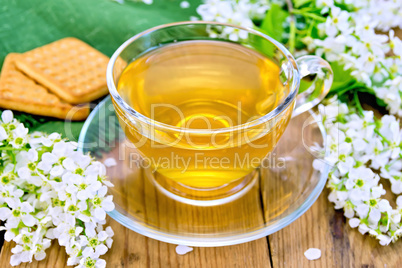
{"x": 133, "y": 250}
{"x": 320, "y": 227}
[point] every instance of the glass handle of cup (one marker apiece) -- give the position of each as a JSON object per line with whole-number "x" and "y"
{"x": 320, "y": 84}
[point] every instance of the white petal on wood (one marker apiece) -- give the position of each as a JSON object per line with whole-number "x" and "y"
{"x": 312, "y": 254}
{"x": 181, "y": 250}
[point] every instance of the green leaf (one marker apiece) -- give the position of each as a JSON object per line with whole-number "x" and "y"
{"x": 346, "y": 86}
{"x": 262, "y": 45}
{"x": 342, "y": 78}
{"x": 273, "y": 22}
{"x": 304, "y": 85}
{"x": 70, "y": 130}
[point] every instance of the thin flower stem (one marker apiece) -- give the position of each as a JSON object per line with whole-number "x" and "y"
{"x": 309, "y": 15}
{"x": 382, "y": 136}
{"x": 10, "y": 149}
{"x": 388, "y": 71}
{"x": 292, "y": 32}
{"x": 6, "y": 149}
{"x": 387, "y": 166}
{"x": 358, "y": 105}
{"x": 292, "y": 37}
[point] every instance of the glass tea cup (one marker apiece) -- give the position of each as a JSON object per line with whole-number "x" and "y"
{"x": 217, "y": 160}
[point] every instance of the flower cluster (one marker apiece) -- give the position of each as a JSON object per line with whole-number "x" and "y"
{"x": 49, "y": 190}
{"x": 350, "y": 39}
{"x": 344, "y": 32}
{"x": 241, "y": 12}
{"x": 361, "y": 149}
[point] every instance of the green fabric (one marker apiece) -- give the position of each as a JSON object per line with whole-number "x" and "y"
{"x": 104, "y": 24}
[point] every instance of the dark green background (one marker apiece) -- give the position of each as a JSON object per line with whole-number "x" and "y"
{"x": 104, "y": 24}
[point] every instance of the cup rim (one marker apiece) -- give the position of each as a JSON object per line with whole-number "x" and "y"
{"x": 163, "y": 126}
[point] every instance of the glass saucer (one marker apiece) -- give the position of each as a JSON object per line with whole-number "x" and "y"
{"x": 285, "y": 186}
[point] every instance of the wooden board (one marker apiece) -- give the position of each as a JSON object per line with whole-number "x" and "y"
{"x": 321, "y": 227}
{"x": 133, "y": 250}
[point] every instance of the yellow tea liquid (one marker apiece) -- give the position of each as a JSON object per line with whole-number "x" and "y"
{"x": 204, "y": 85}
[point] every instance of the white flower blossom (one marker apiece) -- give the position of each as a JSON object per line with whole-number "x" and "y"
{"x": 18, "y": 211}
{"x": 49, "y": 190}
{"x": 240, "y": 12}
{"x": 354, "y": 185}
{"x": 102, "y": 204}
{"x": 18, "y": 139}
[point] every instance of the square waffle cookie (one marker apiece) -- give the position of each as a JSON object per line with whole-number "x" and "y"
{"x": 21, "y": 93}
{"x": 70, "y": 68}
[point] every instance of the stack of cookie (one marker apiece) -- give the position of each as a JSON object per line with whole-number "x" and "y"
{"x": 56, "y": 80}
